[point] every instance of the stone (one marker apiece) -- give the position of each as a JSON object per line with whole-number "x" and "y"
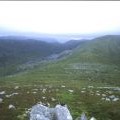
{"x": 98, "y": 94}
{"x": 107, "y": 99}
{"x": 44, "y": 90}
{"x": 1, "y": 100}
{"x": 112, "y": 96}
{"x": 11, "y": 106}
{"x": 63, "y": 86}
{"x": 16, "y": 87}
{"x": 115, "y": 99}
{"x": 83, "y": 117}
{"x": 62, "y": 113}
{"x": 71, "y": 91}
{"x": 13, "y": 94}
{"x": 53, "y": 99}
{"x": 34, "y": 92}
{"x": 43, "y": 97}
{"x": 90, "y": 87}
{"x": 35, "y": 89}
{"x": 2, "y": 92}
{"x": 82, "y": 91}
{"x": 92, "y": 118}
{"x": 41, "y": 112}
{"x": 104, "y": 95}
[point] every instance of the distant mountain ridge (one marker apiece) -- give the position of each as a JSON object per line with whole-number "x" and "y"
{"x": 18, "y": 50}
{"x": 104, "y": 49}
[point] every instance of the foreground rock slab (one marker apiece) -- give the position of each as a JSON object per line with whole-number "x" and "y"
{"x": 62, "y": 113}
{"x": 41, "y": 112}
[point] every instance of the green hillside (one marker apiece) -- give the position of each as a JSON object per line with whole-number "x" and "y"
{"x": 15, "y": 51}
{"x": 87, "y": 80}
{"x": 104, "y": 49}
{"x": 96, "y": 60}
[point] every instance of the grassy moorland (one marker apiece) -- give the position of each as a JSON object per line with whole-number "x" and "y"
{"x": 87, "y": 80}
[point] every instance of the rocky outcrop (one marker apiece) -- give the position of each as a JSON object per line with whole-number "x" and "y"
{"x": 60, "y": 112}
{"x": 41, "y": 112}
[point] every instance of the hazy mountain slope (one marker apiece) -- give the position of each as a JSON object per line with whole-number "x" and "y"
{"x": 13, "y": 52}
{"x": 18, "y": 50}
{"x": 104, "y": 49}
{"x": 101, "y": 54}
{"x": 74, "y": 43}
{"x": 95, "y": 60}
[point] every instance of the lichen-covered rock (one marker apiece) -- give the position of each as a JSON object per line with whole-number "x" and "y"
{"x": 41, "y": 112}
{"x": 62, "y": 113}
{"x": 83, "y": 117}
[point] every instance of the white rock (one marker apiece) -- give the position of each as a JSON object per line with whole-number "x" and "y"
{"x": 34, "y": 92}
{"x": 83, "y": 88}
{"x": 35, "y": 89}
{"x": 1, "y": 100}
{"x": 102, "y": 98}
{"x": 2, "y": 92}
{"x": 110, "y": 92}
{"x": 63, "y": 86}
{"x": 16, "y": 87}
{"x": 92, "y": 118}
{"x": 43, "y": 97}
{"x": 98, "y": 94}
{"x": 90, "y": 87}
{"x": 53, "y": 99}
{"x": 41, "y": 112}
{"x": 115, "y": 99}
{"x": 62, "y": 113}
{"x": 71, "y": 91}
{"x": 82, "y": 91}
{"x": 8, "y": 96}
{"x": 83, "y": 117}
{"x": 14, "y": 94}
{"x": 11, "y": 106}
{"x": 44, "y": 90}
{"x": 112, "y": 96}
{"x": 103, "y": 95}
{"x": 107, "y": 99}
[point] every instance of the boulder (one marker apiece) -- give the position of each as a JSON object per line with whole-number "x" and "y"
{"x": 62, "y": 113}
{"x": 83, "y": 117}
{"x": 41, "y": 112}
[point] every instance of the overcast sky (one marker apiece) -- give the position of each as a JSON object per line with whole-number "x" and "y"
{"x": 61, "y": 17}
